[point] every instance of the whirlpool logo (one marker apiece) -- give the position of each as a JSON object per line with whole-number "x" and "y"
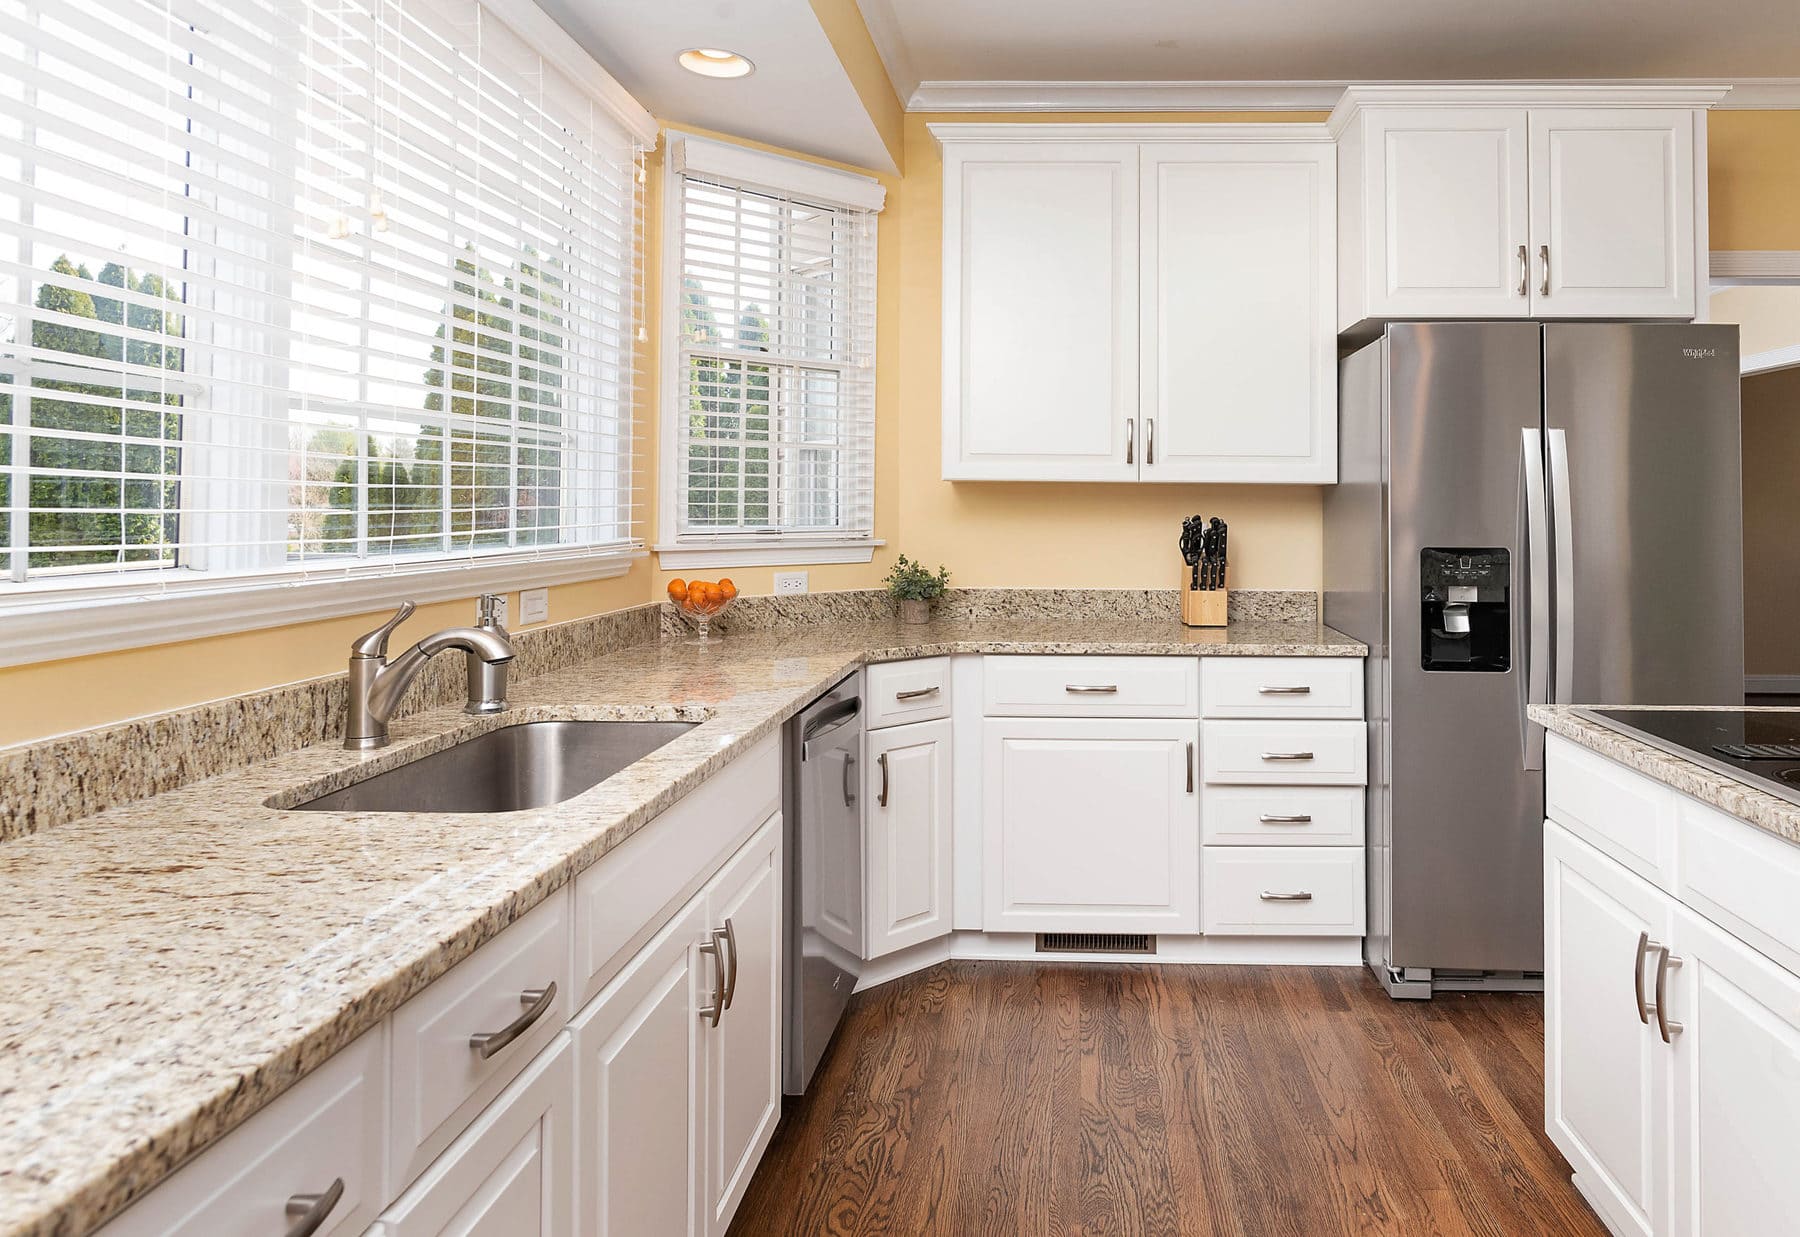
{"x": 1695, "y": 354}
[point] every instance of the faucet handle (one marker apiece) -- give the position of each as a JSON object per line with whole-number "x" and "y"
{"x": 375, "y": 643}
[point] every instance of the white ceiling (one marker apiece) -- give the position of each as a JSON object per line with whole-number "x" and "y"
{"x": 800, "y": 97}
{"x": 1332, "y": 41}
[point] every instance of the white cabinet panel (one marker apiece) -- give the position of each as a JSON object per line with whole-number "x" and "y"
{"x": 636, "y": 1054}
{"x": 1237, "y": 346}
{"x": 1040, "y": 685}
{"x": 1040, "y": 311}
{"x": 1737, "y": 1087}
{"x": 1091, "y": 825}
{"x": 910, "y": 859}
{"x": 1612, "y": 212}
{"x": 1317, "y": 753}
{"x": 1447, "y": 213}
{"x": 898, "y": 692}
{"x": 511, "y": 1173}
{"x": 743, "y": 1052}
{"x": 1281, "y": 687}
{"x": 1283, "y": 891}
{"x": 1282, "y": 815}
{"x": 1623, "y": 814}
{"x": 1606, "y": 1070}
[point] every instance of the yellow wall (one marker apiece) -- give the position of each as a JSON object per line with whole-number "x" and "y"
{"x": 1771, "y": 516}
{"x": 1753, "y": 179}
{"x": 843, "y": 24}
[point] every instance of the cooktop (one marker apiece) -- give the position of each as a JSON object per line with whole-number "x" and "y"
{"x": 1759, "y": 747}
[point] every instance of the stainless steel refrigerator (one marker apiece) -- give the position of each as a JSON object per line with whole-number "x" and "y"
{"x": 1525, "y": 512}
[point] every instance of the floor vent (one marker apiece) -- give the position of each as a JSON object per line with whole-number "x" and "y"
{"x": 1096, "y": 943}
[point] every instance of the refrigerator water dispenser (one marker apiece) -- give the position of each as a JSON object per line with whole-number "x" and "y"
{"x": 1464, "y": 615}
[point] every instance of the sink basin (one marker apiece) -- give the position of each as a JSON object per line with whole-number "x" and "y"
{"x": 533, "y": 764}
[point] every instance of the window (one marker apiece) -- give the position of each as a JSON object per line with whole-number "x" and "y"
{"x": 770, "y": 412}
{"x": 308, "y": 291}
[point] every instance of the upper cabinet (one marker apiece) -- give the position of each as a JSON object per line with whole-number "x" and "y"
{"x": 1139, "y": 303}
{"x": 1521, "y": 202}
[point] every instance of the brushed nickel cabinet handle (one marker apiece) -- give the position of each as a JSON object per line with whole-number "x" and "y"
{"x": 537, "y": 1003}
{"x": 1149, "y": 440}
{"x": 308, "y": 1211}
{"x": 1299, "y": 895}
{"x": 711, "y": 945}
{"x": 1667, "y": 1027}
{"x": 1287, "y": 755}
{"x": 1524, "y": 271}
{"x": 1272, "y": 818}
{"x": 1130, "y": 441}
{"x": 1091, "y": 689}
{"x": 917, "y": 692}
{"x": 1190, "y": 766}
{"x": 1637, "y": 978}
{"x": 882, "y": 798}
{"x": 1284, "y": 691}
{"x": 732, "y": 974}
{"x": 849, "y": 779}
{"x": 1544, "y": 257}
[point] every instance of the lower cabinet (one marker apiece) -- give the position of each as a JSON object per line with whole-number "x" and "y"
{"x": 1090, "y": 825}
{"x": 907, "y": 837}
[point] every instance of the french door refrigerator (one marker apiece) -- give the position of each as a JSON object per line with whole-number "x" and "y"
{"x": 1525, "y": 512}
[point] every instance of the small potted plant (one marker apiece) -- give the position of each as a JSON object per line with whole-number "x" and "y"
{"x": 914, "y": 588}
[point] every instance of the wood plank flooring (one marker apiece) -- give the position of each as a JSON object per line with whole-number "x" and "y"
{"x": 1017, "y": 1099}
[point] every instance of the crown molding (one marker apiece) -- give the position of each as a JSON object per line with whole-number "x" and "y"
{"x": 1775, "y": 93}
{"x": 884, "y": 31}
{"x": 1735, "y": 267}
{"x": 1151, "y": 134}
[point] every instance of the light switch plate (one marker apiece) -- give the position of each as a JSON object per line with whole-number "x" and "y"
{"x": 534, "y": 606}
{"x": 790, "y": 583}
{"x": 500, "y": 611}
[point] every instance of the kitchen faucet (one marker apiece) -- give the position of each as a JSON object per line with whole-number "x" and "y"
{"x": 376, "y": 685}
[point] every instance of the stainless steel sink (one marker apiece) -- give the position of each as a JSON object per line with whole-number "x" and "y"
{"x": 533, "y": 764}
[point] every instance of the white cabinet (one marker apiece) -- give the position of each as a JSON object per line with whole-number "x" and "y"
{"x": 1606, "y": 1071}
{"x": 1520, "y": 202}
{"x": 511, "y": 1173}
{"x": 1237, "y": 346}
{"x": 1090, "y": 825}
{"x": 1040, "y": 311}
{"x": 1139, "y": 303}
{"x": 907, "y": 836}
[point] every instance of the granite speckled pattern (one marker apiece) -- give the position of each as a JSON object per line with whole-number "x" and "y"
{"x": 177, "y": 962}
{"x": 1742, "y": 800}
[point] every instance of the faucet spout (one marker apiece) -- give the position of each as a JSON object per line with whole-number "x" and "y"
{"x": 378, "y": 685}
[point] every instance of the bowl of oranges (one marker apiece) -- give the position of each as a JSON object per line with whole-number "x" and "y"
{"x": 703, "y": 601}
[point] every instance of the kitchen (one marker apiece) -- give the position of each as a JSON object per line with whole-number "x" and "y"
{"x": 658, "y": 366}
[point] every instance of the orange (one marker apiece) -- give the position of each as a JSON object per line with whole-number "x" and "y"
{"x": 728, "y": 588}
{"x": 678, "y": 589}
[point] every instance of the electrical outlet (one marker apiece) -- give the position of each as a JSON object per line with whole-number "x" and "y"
{"x": 534, "y": 606}
{"x": 501, "y": 610}
{"x": 790, "y": 583}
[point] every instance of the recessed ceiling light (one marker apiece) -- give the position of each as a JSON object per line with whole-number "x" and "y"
{"x": 715, "y": 62}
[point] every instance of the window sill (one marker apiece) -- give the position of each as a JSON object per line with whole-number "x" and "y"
{"x": 765, "y": 552}
{"x": 104, "y": 619}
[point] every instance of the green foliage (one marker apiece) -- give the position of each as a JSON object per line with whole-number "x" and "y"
{"x": 910, "y": 581}
{"x": 729, "y": 419}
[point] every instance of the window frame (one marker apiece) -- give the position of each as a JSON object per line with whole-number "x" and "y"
{"x": 751, "y": 170}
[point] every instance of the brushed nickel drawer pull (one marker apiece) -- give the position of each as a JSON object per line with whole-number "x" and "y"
{"x": 1287, "y": 755}
{"x": 1284, "y": 691}
{"x": 537, "y": 1003}
{"x": 1544, "y": 257}
{"x": 1666, "y": 1026}
{"x": 1273, "y": 818}
{"x": 1190, "y": 766}
{"x": 713, "y": 945}
{"x": 1524, "y": 270}
{"x": 1643, "y": 947}
{"x": 1092, "y": 689}
{"x": 1299, "y": 895}
{"x": 916, "y": 692}
{"x": 882, "y": 798}
{"x": 731, "y": 975}
{"x": 308, "y": 1211}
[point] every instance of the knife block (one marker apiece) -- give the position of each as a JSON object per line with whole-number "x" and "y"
{"x": 1202, "y": 607}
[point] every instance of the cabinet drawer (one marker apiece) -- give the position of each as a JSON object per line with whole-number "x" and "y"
{"x": 1282, "y": 891}
{"x": 325, "y": 1129}
{"x": 1743, "y": 879}
{"x": 1282, "y": 815}
{"x": 441, "y": 1080}
{"x": 1285, "y": 753}
{"x": 1079, "y": 686}
{"x": 1625, "y": 815}
{"x": 907, "y": 691}
{"x": 624, "y": 900}
{"x": 1281, "y": 687}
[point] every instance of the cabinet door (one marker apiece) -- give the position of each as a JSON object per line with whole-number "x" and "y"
{"x": 1040, "y": 311}
{"x": 908, "y": 835}
{"x": 636, "y": 1076}
{"x": 1446, "y": 213}
{"x": 1737, "y": 1086}
{"x": 1606, "y": 1073}
{"x": 1612, "y": 213}
{"x": 1090, "y": 825}
{"x": 511, "y": 1173}
{"x": 743, "y": 1052}
{"x": 1238, "y": 349}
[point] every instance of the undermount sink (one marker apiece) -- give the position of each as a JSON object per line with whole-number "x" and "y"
{"x": 533, "y": 764}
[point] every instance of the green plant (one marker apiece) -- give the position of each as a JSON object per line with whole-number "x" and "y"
{"x": 910, "y": 581}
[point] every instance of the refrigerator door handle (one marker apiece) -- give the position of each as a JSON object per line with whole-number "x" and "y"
{"x": 1562, "y": 525}
{"x": 1534, "y": 514}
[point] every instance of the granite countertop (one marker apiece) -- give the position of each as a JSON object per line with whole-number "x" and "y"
{"x": 175, "y": 963}
{"x": 1748, "y": 803}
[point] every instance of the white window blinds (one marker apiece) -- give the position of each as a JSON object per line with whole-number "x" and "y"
{"x": 773, "y": 409}
{"x": 305, "y": 288}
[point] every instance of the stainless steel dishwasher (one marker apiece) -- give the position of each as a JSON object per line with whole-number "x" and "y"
{"x": 823, "y": 811}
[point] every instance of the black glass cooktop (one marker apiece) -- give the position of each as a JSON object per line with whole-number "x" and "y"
{"x": 1757, "y": 746}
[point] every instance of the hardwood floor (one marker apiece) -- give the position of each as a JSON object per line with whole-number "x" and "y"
{"x": 1017, "y": 1099}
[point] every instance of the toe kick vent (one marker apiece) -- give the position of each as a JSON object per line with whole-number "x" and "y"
{"x": 1096, "y": 943}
